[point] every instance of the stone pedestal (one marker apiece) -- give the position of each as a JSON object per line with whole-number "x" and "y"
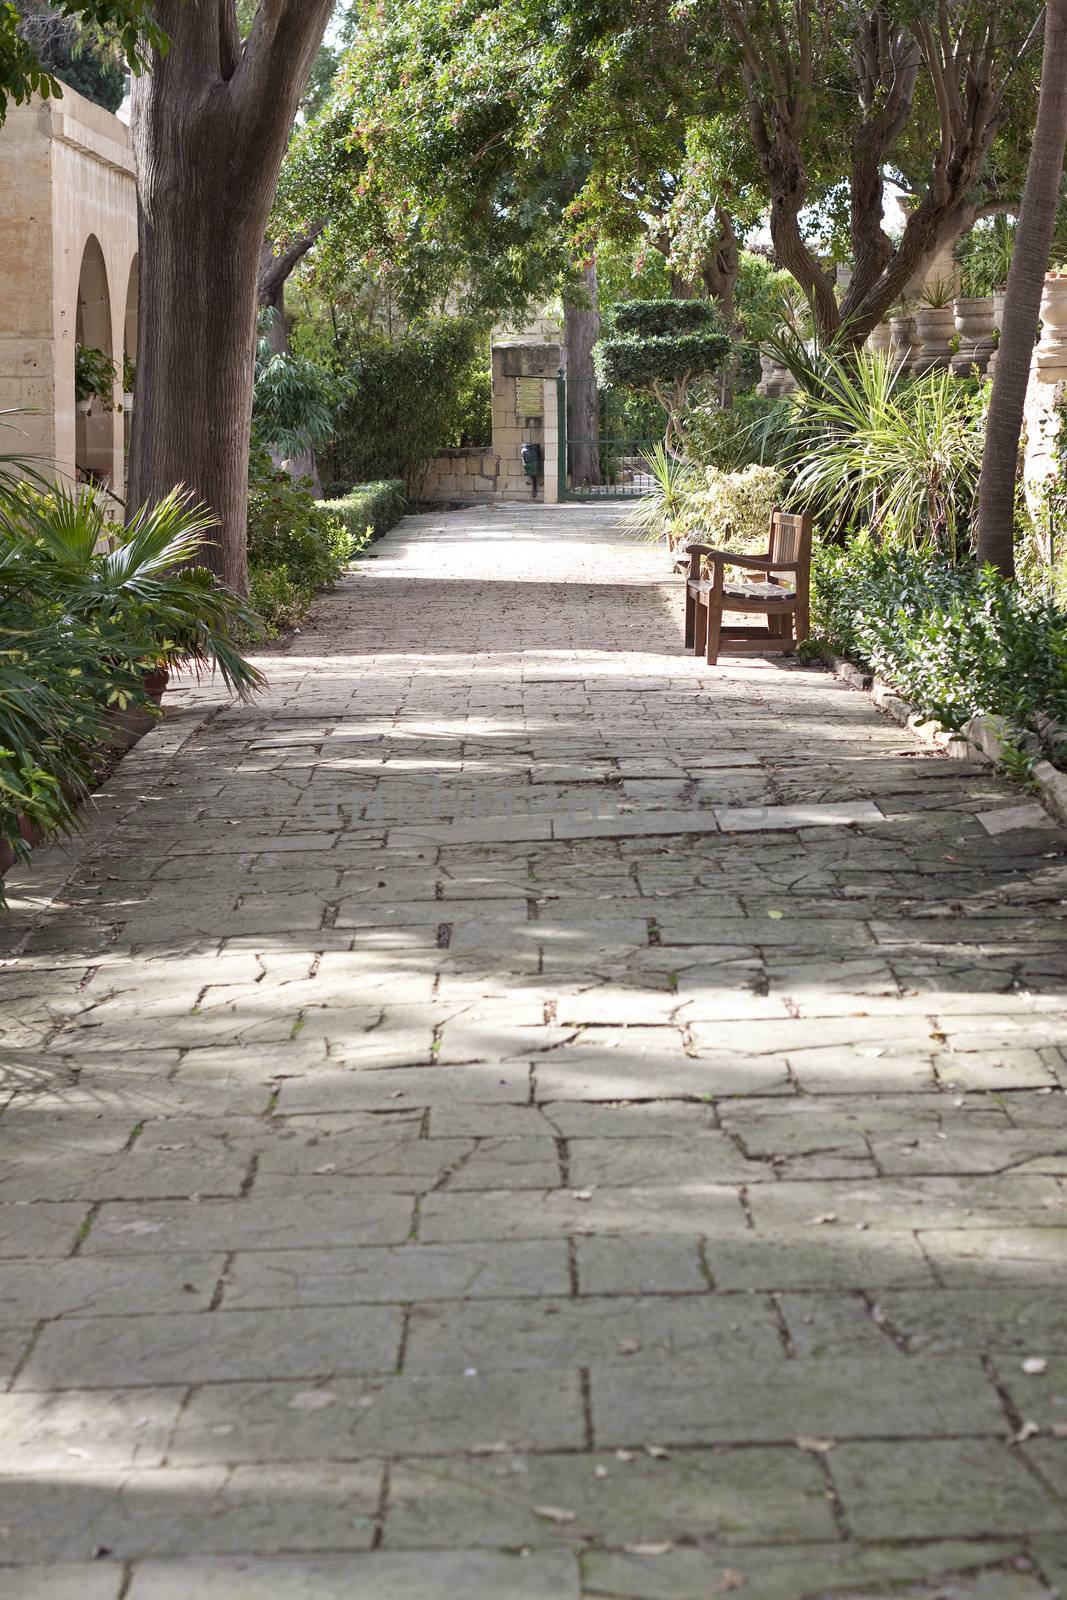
{"x": 974, "y": 324}
{"x": 902, "y": 340}
{"x": 999, "y": 296}
{"x": 1047, "y": 392}
{"x": 879, "y": 339}
{"x": 934, "y": 328}
{"x": 775, "y": 379}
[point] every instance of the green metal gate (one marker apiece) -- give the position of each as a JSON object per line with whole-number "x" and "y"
{"x": 601, "y": 469}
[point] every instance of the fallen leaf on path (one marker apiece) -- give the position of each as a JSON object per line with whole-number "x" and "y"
{"x": 657, "y": 1452}
{"x": 1033, "y": 1366}
{"x": 817, "y": 1447}
{"x": 729, "y": 1578}
{"x": 555, "y": 1514}
{"x": 1028, "y": 1431}
{"x": 648, "y": 1549}
{"x": 627, "y": 1347}
{"x": 823, "y": 1218}
{"x": 312, "y": 1400}
{"x": 626, "y": 1455}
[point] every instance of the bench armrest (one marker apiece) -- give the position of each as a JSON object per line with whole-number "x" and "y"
{"x": 760, "y": 561}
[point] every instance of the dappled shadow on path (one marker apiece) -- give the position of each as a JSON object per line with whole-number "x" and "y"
{"x": 434, "y": 1070}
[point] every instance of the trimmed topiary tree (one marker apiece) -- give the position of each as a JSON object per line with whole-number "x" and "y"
{"x": 661, "y": 348}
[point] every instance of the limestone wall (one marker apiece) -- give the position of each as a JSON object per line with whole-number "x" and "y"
{"x": 68, "y": 250}
{"x": 525, "y": 365}
{"x": 461, "y": 475}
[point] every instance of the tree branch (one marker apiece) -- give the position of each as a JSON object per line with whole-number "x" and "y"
{"x": 275, "y": 270}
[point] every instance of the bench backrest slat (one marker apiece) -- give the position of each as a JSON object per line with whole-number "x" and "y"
{"x": 791, "y": 539}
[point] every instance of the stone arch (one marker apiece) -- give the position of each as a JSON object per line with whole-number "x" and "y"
{"x": 94, "y": 450}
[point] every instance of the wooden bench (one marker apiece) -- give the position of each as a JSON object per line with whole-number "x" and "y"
{"x": 780, "y": 592}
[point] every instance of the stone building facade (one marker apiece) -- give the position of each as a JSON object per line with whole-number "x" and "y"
{"x": 69, "y": 275}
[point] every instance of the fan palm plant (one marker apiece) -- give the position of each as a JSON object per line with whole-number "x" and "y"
{"x": 87, "y": 609}
{"x": 139, "y": 584}
{"x": 660, "y": 514}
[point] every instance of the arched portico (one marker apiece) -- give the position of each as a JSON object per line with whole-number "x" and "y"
{"x": 68, "y": 248}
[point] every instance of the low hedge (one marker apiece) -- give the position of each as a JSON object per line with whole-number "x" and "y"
{"x": 955, "y": 640}
{"x": 368, "y": 510}
{"x": 295, "y": 546}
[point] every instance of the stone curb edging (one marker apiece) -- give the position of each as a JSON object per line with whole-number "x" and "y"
{"x": 982, "y": 740}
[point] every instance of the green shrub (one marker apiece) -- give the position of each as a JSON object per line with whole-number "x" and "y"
{"x": 368, "y": 510}
{"x": 728, "y": 438}
{"x": 295, "y": 546}
{"x": 631, "y": 361}
{"x": 954, "y": 640}
{"x": 899, "y": 455}
{"x": 471, "y": 426}
{"x": 660, "y": 348}
{"x": 94, "y": 376}
{"x": 733, "y": 509}
{"x": 402, "y": 402}
{"x": 87, "y": 608}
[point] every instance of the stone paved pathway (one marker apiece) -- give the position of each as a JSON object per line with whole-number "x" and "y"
{"x": 519, "y": 1115}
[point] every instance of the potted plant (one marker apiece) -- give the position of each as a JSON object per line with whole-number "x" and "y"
{"x": 94, "y": 379}
{"x": 901, "y": 334}
{"x": 934, "y": 325}
{"x": 129, "y": 378}
{"x": 973, "y": 314}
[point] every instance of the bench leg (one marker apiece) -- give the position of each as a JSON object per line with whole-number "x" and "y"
{"x": 700, "y": 626}
{"x": 714, "y": 628}
{"x": 801, "y": 625}
{"x": 690, "y": 618}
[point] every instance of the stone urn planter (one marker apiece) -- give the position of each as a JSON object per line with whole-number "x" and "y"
{"x": 902, "y": 339}
{"x": 775, "y": 379}
{"x": 934, "y": 328}
{"x": 1052, "y": 350}
{"x": 999, "y": 297}
{"x": 879, "y": 339}
{"x": 974, "y": 324}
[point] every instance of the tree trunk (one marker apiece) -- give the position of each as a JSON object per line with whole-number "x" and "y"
{"x": 721, "y": 270}
{"x": 210, "y": 125}
{"x": 1022, "y": 307}
{"x": 581, "y": 327}
{"x": 274, "y": 274}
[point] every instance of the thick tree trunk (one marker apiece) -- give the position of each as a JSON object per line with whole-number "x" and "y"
{"x": 210, "y": 125}
{"x": 1022, "y": 307}
{"x": 581, "y": 328}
